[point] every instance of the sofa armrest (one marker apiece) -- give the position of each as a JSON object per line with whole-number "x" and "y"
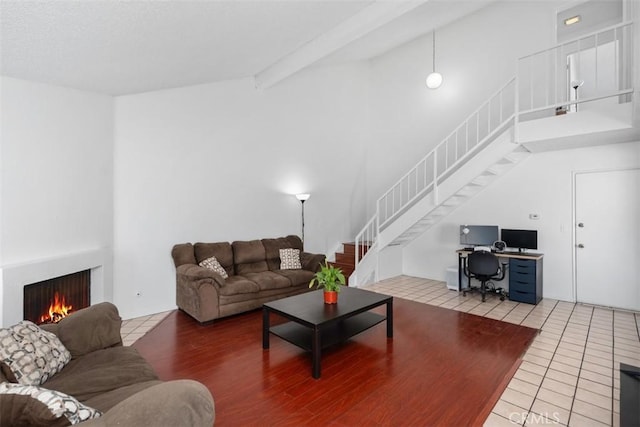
{"x": 193, "y": 272}
{"x": 311, "y": 262}
{"x": 173, "y": 403}
{"x": 90, "y": 329}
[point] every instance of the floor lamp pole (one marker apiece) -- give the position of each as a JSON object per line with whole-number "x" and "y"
{"x": 302, "y": 202}
{"x": 303, "y": 198}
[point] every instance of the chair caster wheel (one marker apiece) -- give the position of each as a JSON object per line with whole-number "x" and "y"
{"x": 502, "y": 298}
{"x": 464, "y": 294}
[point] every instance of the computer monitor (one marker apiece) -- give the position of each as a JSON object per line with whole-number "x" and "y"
{"x": 478, "y": 235}
{"x": 521, "y": 239}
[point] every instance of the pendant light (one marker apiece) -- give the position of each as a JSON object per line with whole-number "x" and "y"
{"x": 434, "y": 80}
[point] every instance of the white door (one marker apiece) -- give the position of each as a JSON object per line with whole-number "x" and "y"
{"x": 608, "y": 238}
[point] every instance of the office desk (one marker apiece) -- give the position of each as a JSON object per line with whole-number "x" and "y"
{"x": 525, "y": 274}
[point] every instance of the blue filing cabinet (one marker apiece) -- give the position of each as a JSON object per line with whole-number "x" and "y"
{"x": 525, "y": 280}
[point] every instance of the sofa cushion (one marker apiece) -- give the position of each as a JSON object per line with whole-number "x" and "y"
{"x": 249, "y": 257}
{"x": 102, "y": 371}
{"x": 290, "y": 259}
{"x": 297, "y": 277}
{"x": 32, "y": 354}
{"x": 58, "y": 405}
{"x": 269, "y": 280}
{"x": 272, "y": 249}
{"x": 183, "y": 254}
{"x": 92, "y": 328}
{"x": 238, "y": 285}
{"x": 221, "y": 250}
{"x": 213, "y": 264}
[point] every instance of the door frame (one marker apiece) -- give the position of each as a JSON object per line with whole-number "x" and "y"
{"x": 574, "y": 201}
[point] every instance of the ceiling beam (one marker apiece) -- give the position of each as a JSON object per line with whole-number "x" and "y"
{"x": 367, "y": 20}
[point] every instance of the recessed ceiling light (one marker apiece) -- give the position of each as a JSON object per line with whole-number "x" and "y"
{"x": 572, "y": 20}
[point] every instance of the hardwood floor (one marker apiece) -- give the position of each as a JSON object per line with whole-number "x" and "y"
{"x": 443, "y": 367}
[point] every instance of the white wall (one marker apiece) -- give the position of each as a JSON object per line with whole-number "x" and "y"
{"x": 220, "y": 162}
{"x": 542, "y": 184}
{"x": 57, "y": 173}
{"x": 476, "y": 56}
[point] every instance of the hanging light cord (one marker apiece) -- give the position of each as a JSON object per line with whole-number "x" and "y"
{"x": 434, "y": 51}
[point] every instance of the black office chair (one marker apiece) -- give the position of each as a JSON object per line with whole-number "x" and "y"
{"x": 484, "y": 266}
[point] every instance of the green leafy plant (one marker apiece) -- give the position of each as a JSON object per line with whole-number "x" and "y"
{"x": 329, "y": 277}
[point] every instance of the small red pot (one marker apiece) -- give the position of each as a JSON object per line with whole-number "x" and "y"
{"x": 330, "y": 297}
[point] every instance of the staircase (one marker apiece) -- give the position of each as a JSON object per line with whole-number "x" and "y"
{"x": 346, "y": 260}
{"x": 491, "y": 141}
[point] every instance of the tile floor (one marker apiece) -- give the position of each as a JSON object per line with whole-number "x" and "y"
{"x": 569, "y": 376}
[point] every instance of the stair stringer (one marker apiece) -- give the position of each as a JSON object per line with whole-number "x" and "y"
{"x": 459, "y": 187}
{"x": 482, "y": 169}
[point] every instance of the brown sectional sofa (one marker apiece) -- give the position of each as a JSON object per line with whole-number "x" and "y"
{"x": 111, "y": 378}
{"x": 254, "y": 274}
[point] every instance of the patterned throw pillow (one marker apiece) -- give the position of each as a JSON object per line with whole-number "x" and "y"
{"x": 213, "y": 264}
{"x": 58, "y": 403}
{"x": 290, "y": 259}
{"x": 33, "y": 354}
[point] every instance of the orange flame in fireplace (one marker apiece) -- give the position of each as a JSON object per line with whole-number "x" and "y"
{"x": 57, "y": 310}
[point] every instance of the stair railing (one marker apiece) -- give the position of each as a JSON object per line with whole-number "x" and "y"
{"x": 466, "y": 140}
{"x": 367, "y": 237}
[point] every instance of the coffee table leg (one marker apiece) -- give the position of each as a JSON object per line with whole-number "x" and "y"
{"x": 390, "y": 319}
{"x": 265, "y": 328}
{"x": 315, "y": 353}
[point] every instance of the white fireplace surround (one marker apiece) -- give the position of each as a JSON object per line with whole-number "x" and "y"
{"x": 14, "y": 277}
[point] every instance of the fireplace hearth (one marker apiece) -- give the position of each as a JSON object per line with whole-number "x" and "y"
{"x": 51, "y": 300}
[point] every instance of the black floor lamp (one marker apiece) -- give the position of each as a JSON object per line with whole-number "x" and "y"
{"x": 303, "y": 198}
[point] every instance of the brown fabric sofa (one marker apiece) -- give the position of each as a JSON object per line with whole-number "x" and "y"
{"x": 113, "y": 379}
{"x": 254, "y": 274}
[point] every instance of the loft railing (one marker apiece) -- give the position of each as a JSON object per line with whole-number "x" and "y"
{"x": 595, "y": 66}
{"x": 448, "y": 155}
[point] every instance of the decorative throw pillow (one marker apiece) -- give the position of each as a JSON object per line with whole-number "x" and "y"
{"x": 32, "y": 354}
{"x": 213, "y": 264}
{"x": 290, "y": 259}
{"x": 59, "y": 403}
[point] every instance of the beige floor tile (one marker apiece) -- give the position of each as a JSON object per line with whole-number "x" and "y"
{"x": 542, "y": 361}
{"x": 569, "y": 353}
{"x": 558, "y": 387}
{"x": 589, "y": 366}
{"x": 578, "y": 420}
{"x": 533, "y": 367}
{"x": 576, "y": 363}
{"x": 495, "y": 420}
{"x": 554, "y": 414}
{"x": 563, "y": 367}
{"x": 554, "y": 398}
{"x": 517, "y": 398}
{"x": 607, "y": 363}
{"x": 596, "y": 377}
{"x": 509, "y": 411}
{"x": 562, "y": 377}
{"x": 523, "y": 386}
{"x": 594, "y": 398}
{"x": 529, "y": 377}
{"x": 594, "y": 412}
{"x": 605, "y": 390}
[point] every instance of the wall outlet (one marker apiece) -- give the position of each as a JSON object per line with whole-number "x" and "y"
{"x": 534, "y": 216}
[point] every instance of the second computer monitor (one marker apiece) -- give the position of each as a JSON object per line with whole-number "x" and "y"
{"x": 521, "y": 239}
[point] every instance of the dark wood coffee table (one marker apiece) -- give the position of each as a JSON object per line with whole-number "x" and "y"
{"x": 315, "y": 325}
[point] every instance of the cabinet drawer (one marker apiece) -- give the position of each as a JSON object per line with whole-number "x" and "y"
{"x": 520, "y": 296}
{"x": 518, "y": 276}
{"x": 522, "y": 286}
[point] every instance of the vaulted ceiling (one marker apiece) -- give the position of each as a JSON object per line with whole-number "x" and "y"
{"x": 123, "y": 47}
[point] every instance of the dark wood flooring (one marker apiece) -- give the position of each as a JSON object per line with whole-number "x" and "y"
{"x": 442, "y": 367}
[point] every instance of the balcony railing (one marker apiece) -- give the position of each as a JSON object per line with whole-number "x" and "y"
{"x": 596, "y": 66}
